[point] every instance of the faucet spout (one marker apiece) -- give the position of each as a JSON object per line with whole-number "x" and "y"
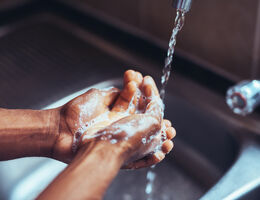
{"x": 182, "y": 5}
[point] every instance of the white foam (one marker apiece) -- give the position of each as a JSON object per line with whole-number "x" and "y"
{"x": 128, "y": 128}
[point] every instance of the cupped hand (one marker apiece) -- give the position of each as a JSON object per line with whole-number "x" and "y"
{"x": 78, "y": 114}
{"x": 135, "y": 123}
{"x": 130, "y": 120}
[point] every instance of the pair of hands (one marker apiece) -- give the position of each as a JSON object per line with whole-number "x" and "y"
{"x": 130, "y": 120}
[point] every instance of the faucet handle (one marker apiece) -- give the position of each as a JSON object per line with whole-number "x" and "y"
{"x": 244, "y": 97}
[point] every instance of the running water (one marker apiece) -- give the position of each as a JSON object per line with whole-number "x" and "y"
{"x": 150, "y": 176}
{"x": 178, "y": 24}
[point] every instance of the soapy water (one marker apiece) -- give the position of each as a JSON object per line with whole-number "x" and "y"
{"x": 87, "y": 110}
{"x": 128, "y": 128}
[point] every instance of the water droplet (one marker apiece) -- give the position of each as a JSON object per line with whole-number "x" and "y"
{"x": 113, "y": 141}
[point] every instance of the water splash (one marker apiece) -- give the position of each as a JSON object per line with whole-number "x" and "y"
{"x": 178, "y": 24}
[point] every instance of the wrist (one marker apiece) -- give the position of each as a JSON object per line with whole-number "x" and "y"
{"x": 52, "y": 132}
{"x": 46, "y": 132}
{"x": 27, "y": 132}
{"x": 89, "y": 174}
{"x": 103, "y": 150}
{"x": 54, "y": 122}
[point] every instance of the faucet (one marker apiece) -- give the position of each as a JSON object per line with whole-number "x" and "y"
{"x": 182, "y": 5}
{"x": 244, "y": 97}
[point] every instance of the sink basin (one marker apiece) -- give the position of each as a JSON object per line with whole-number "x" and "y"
{"x": 44, "y": 64}
{"x": 175, "y": 177}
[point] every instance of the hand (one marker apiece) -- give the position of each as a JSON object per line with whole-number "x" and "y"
{"x": 79, "y": 113}
{"x": 135, "y": 123}
{"x": 109, "y": 131}
{"x": 92, "y": 112}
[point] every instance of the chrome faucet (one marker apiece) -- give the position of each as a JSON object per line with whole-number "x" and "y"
{"x": 182, "y": 5}
{"x": 244, "y": 97}
{"x": 243, "y": 176}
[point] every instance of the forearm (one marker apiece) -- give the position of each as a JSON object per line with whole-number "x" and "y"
{"x": 27, "y": 132}
{"x": 88, "y": 176}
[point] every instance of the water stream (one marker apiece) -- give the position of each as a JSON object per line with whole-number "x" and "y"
{"x": 178, "y": 24}
{"x": 151, "y": 175}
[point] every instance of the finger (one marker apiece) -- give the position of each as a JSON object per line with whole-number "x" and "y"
{"x": 139, "y": 79}
{"x": 110, "y": 96}
{"x": 158, "y": 156}
{"x": 170, "y": 132}
{"x": 128, "y": 92}
{"x": 142, "y": 163}
{"x": 128, "y": 76}
{"x": 126, "y": 97}
{"x": 147, "y": 161}
{"x": 167, "y": 146}
{"x": 131, "y": 75}
{"x": 149, "y": 87}
{"x": 167, "y": 123}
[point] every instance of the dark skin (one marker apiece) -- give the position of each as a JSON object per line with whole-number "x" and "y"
{"x": 52, "y": 133}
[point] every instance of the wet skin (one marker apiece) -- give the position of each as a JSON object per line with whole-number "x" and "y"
{"x": 94, "y": 161}
{"x": 116, "y": 104}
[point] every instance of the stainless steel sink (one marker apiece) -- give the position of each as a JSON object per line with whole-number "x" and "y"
{"x": 192, "y": 167}
{"x": 46, "y": 61}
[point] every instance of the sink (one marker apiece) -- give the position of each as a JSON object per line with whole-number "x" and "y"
{"x": 44, "y": 64}
{"x": 175, "y": 177}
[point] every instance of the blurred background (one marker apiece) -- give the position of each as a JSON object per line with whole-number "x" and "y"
{"x": 221, "y": 35}
{"x": 54, "y": 50}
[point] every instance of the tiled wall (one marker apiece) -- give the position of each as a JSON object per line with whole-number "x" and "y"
{"x": 223, "y": 35}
